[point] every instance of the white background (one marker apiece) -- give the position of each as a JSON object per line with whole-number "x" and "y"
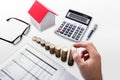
{"x": 106, "y": 13}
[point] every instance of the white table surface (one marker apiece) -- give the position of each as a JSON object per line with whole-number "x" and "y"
{"x": 106, "y": 13}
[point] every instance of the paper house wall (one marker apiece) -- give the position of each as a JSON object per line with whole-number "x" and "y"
{"x": 41, "y": 16}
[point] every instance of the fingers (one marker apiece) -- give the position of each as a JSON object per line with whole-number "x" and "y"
{"x": 81, "y": 44}
{"x": 76, "y": 56}
{"x": 88, "y": 46}
{"x": 83, "y": 53}
{"x": 84, "y": 45}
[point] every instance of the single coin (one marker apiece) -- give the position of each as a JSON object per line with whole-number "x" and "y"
{"x": 38, "y": 40}
{"x": 47, "y": 45}
{"x": 34, "y": 38}
{"x": 42, "y": 42}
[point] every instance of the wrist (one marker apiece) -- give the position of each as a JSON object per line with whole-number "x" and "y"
{"x": 95, "y": 78}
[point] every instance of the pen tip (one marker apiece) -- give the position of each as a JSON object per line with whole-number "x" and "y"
{"x": 96, "y": 25}
{"x": 87, "y": 39}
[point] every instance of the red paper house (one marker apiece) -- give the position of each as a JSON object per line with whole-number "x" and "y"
{"x": 41, "y": 17}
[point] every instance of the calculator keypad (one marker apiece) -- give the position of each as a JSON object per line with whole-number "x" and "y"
{"x": 71, "y": 31}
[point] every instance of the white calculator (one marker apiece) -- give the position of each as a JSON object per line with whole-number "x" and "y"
{"x": 74, "y": 25}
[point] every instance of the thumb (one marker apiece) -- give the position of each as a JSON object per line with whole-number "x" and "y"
{"x": 76, "y": 56}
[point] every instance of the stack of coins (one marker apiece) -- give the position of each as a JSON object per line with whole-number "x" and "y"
{"x": 57, "y": 51}
{"x": 64, "y": 54}
{"x": 70, "y": 59}
{"x": 52, "y": 48}
{"x": 47, "y": 45}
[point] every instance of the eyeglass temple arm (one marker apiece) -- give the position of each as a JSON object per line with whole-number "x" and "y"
{"x": 6, "y": 40}
{"x": 18, "y": 20}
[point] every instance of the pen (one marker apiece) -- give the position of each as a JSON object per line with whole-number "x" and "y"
{"x": 92, "y": 31}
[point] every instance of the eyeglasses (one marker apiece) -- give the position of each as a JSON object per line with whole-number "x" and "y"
{"x": 18, "y": 39}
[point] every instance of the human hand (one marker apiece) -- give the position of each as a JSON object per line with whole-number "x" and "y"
{"x": 89, "y": 61}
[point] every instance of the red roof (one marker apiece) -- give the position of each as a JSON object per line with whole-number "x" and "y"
{"x": 38, "y": 11}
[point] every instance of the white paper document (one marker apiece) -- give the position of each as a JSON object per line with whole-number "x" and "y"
{"x": 29, "y": 64}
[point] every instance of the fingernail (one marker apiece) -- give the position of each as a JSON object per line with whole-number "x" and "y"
{"x": 74, "y": 52}
{"x": 73, "y": 49}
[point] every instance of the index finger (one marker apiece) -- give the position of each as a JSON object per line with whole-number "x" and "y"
{"x": 87, "y": 45}
{"x": 84, "y": 45}
{"x": 81, "y": 44}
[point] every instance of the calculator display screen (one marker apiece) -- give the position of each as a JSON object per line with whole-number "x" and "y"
{"x": 78, "y": 17}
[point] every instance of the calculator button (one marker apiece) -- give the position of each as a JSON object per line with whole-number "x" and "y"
{"x": 69, "y": 35}
{"x": 64, "y": 22}
{"x": 65, "y": 33}
{"x": 61, "y": 32}
{"x": 58, "y": 30}
{"x": 67, "y": 24}
{"x": 78, "y": 28}
{"x": 82, "y": 29}
{"x": 79, "y": 34}
{"x": 76, "y": 38}
{"x": 68, "y": 29}
{"x": 70, "y": 26}
{"x": 71, "y": 30}
{"x": 61, "y": 26}
{"x": 74, "y": 26}
{"x": 64, "y": 29}
{"x": 76, "y": 32}
{"x": 74, "y": 35}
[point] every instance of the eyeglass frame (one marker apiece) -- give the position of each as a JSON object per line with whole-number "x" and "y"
{"x": 20, "y": 36}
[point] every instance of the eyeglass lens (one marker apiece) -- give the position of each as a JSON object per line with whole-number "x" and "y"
{"x": 17, "y": 40}
{"x": 26, "y": 31}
